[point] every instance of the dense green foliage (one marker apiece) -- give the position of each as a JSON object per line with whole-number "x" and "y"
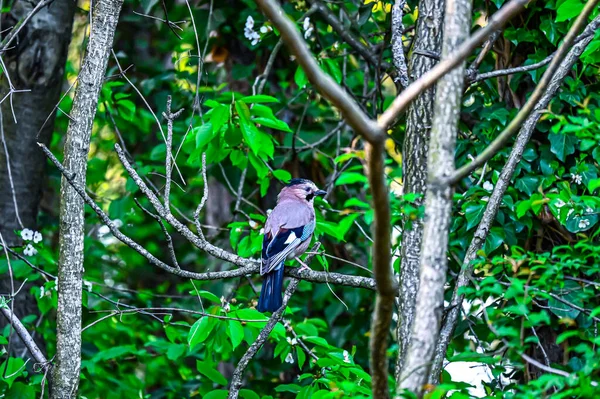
{"x": 537, "y": 274}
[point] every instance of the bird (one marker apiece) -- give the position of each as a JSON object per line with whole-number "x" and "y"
{"x": 288, "y": 230}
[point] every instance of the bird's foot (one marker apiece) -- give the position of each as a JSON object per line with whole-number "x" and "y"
{"x": 304, "y": 265}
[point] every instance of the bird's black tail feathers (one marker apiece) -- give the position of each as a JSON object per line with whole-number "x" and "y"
{"x": 271, "y": 297}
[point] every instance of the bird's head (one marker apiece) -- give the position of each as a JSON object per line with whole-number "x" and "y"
{"x": 301, "y": 189}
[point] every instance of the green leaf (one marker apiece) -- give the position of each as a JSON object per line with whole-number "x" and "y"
{"x": 351, "y": 178}
{"x": 248, "y": 394}
{"x": 528, "y": 184}
{"x": 204, "y": 134}
{"x": 562, "y": 145}
{"x": 293, "y": 388}
{"x": 300, "y": 78}
{"x": 568, "y": 10}
{"x": 216, "y": 394}
{"x": 282, "y": 175}
{"x": 474, "y": 213}
{"x": 127, "y": 109}
{"x": 259, "y": 98}
{"x": 334, "y": 69}
{"x": 199, "y": 331}
{"x": 207, "y": 369}
{"x": 175, "y": 351}
{"x": 593, "y": 185}
{"x": 235, "y": 330}
{"x": 14, "y": 369}
{"x": 273, "y": 124}
{"x": 21, "y": 391}
{"x": 219, "y": 117}
{"x": 569, "y": 293}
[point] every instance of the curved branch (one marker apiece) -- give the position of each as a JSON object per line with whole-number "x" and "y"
{"x": 512, "y": 127}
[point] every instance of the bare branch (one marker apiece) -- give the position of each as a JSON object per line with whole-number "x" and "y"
{"x": 352, "y": 113}
{"x": 26, "y": 338}
{"x": 529, "y": 106}
{"x": 460, "y": 54}
{"x": 397, "y": 46}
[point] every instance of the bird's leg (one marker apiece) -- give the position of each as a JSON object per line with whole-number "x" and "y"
{"x": 304, "y": 265}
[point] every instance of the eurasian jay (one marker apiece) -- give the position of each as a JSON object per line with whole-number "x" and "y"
{"x": 288, "y": 231}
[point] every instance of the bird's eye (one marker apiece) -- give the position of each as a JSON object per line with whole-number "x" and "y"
{"x": 307, "y": 189}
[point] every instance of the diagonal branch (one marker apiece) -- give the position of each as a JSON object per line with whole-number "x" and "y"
{"x": 325, "y": 85}
{"x": 427, "y": 80}
{"x": 514, "y": 125}
{"x": 26, "y": 338}
{"x": 495, "y": 200}
{"x": 238, "y": 373}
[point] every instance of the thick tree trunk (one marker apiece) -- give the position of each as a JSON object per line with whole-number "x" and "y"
{"x": 36, "y": 62}
{"x": 65, "y": 374}
{"x": 438, "y": 205}
{"x": 428, "y": 38}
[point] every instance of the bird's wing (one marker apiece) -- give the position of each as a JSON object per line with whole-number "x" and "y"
{"x": 278, "y": 245}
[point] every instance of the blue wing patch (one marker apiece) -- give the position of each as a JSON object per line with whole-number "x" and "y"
{"x": 276, "y": 248}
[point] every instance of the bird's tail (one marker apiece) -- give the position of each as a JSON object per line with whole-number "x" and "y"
{"x": 271, "y": 298}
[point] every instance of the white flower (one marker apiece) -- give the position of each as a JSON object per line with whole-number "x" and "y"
{"x": 37, "y": 237}
{"x": 308, "y": 29}
{"x": 289, "y": 358}
{"x": 253, "y": 224}
{"x": 29, "y": 250}
{"x": 264, "y": 29}
{"x": 576, "y": 178}
{"x": 346, "y": 356}
{"x": 27, "y": 234}
{"x": 269, "y": 211}
{"x": 583, "y": 223}
{"x": 487, "y": 186}
{"x": 262, "y": 231}
{"x": 559, "y": 203}
{"x": 589, "y": 210}
{"x": 42, "y": 291}
{"x": 88, "y": 285}
{"x": 249, "y": 31}
{"x": 292, "y": 341}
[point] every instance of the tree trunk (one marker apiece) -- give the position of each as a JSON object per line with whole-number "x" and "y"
{"x": 438, "y": 205}
{"x": 414, "y": 163}
{"x": 36, "y": 62}
{"x": 65, "y": 374}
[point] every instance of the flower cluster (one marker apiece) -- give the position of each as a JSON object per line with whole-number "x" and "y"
{"x": 30, "y": 235}
{"x": 249, "y": 31}
{"x": 308, "y": 29}
{"x": 576, "y": 178}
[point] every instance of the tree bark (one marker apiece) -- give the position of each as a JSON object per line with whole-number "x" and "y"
{"x": 414, "y": 164}
{"x": 438, "y": 205}
{"x": 35, "y": 62}
{"x": 496, "y": 199}
{"x": 65, "y": 374}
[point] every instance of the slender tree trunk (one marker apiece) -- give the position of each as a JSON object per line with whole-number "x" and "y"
{"x": 428, "y": 38}
{"x": 65, "y": 375}
{"x": 496, "y": 199}
{"x": 36, "y": 62}
{"x": 438, "y": 205}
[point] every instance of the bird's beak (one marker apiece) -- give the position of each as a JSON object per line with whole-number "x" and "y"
{"x": 320, "y": 192}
